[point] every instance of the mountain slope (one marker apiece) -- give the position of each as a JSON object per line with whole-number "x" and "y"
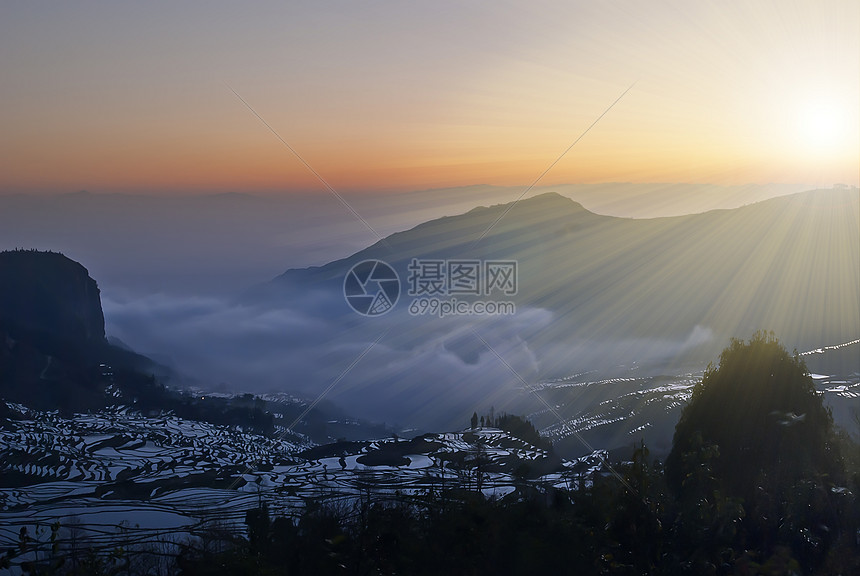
{"x": 603, "y": 296}
{"x": 791, "y": 264}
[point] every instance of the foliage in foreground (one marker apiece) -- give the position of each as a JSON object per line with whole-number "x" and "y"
{"x": 630, "y": 524}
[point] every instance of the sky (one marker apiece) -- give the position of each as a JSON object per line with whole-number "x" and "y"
{"x": 381, "y": 97}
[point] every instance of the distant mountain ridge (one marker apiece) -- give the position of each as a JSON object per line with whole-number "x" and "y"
{"x": 790, "y": 264}
{"x": 437, "y": 238}
{"x": 612, "y": 304}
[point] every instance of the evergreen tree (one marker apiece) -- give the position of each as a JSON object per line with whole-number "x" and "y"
{"x": 760, "y": 410}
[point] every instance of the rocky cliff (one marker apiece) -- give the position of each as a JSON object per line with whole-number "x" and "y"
{"x": 47, "y": 294}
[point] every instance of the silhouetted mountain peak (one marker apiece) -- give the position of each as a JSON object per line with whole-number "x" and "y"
{"x": 483, "y": 232}
{"x": 550, "y": 205}
{"x": 553, "y": 200}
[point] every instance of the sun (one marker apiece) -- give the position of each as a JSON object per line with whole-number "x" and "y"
{"x": 820, "y": 124}
{"x": 823, "y": 124}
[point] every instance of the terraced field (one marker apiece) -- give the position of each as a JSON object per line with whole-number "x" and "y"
{"x": 615, "y": 413}
{"x": 120, "y": 475}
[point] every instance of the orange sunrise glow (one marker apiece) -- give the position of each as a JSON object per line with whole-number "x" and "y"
{"x": 402, "y": 98}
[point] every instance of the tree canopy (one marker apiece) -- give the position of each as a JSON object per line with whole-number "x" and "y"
{"x": 759, "y": 419}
